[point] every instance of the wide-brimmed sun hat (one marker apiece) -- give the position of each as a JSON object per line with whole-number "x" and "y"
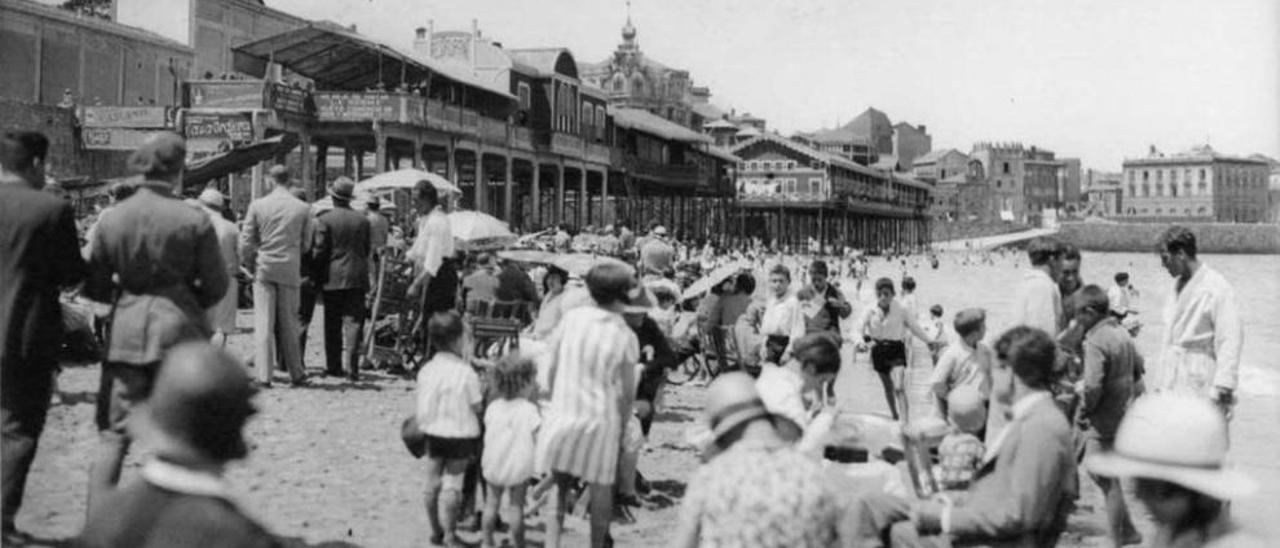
{"x": 1181, "y": 439}
{"x": 732, "y": 400}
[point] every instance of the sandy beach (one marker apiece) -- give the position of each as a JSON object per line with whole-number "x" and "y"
{"x": 327, "y": 467}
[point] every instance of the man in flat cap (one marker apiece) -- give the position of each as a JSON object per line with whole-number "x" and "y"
{"x": 156, "y": 259}
{"x": 277, "y": 232}
{"x": 343, "y": 247}
{"x": 182, "y": 498}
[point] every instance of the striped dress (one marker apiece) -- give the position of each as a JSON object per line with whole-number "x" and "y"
{"x": 583, "y": 427}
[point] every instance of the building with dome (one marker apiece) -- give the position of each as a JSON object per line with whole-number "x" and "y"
{"x": 631, "y": 80}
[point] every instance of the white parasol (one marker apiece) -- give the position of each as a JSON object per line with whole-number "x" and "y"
{"x": 714, "y": 278}
{"x": 474, "y": 230}
{"x": 531, "y": 256}
{"x": 405, "y": 178}
{"x": 580, "y": 263}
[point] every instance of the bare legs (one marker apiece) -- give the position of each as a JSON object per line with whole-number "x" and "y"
{"x": 493, "y": 503}
{"x": 886, "y": 380}
{"x": 444, "y": 492}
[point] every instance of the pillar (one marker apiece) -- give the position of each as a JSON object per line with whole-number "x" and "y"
{"x": 347, "y": 160}
{"x": 451, "y": 163}
{"x": 604, "y": 197}
{"x": 584, "y": 199}
{"x": 508, "y": 191}
{"x": 417, "y": 153}
{"x": 482, "y": 186}
{"x": 309, "y": 181}
{"x": 321, "y": 163}
{"x": 380, "y": 152}
{"x": 536, "y": 209}
{"x": 559, "y": 200}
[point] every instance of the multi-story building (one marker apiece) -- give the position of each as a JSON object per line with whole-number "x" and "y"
{"x": 842, "y": 142}
{"x": 633, "y": 80}
{"x": 788, "y": 191}
{"x": 210, "y": 27}
{"x": 910, "y": 142}
{"x": 940, "y": 165}
{"x": 1199, "y": 184}
{"x": 1026, "y": 181}
{"x": 1102, "y": 193}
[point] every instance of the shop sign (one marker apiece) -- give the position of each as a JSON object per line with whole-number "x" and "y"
{"x": 113, "y": 138}
{"x": 357, "y": 107}
{"x": 234, "y": 127}
{"x": 127, "y": 117}
{"x": 226, "y": 94}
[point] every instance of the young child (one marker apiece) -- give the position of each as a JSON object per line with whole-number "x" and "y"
{"x": 511, "y": 424}
{"x": 449, "y": 403}
{"x": 965, "y": 362}
{"x": 933, "y": 328}
{"x": 784, "y": 390}
{"x": 961, "y": 451}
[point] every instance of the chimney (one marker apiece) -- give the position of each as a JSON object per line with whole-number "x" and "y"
{"x": 422, "y": 41}
{"x": 922, "y": 128}
{"x": 352, "y": 28}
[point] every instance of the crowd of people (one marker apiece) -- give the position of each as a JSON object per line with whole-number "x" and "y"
{"x": 566, "y": 415}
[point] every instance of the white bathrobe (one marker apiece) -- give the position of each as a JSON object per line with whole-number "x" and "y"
{"x": 1202, "y": 338}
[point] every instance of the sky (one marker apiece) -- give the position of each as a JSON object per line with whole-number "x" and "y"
{"x": 1100, "y": 80}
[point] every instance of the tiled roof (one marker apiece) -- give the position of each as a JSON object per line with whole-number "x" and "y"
{"x": 933, "y": 156}
{"x": 643, "y": 120}
{"x": 808, "y": 151}
{"x": 541, "y": 59}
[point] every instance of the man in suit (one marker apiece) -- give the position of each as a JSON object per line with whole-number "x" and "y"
{"x": 277, "y": 232}
{"x": 344, "y": 246}
{"x": 1024, "y": 488}
{"x": 157, "y": 260}
{"x": 39, "y": 254}
{"x": 182, "y": 498}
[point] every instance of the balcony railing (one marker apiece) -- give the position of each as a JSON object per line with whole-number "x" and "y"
{"x": 494, "y": 131}
{"x": 343, "y": 106}
{"x": 470, "y": 121}
{"x": 678, "y": 174}
{"x": 563, "y": 143}
{"x": 597, "y": 153}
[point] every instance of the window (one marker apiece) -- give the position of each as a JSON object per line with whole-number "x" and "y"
{"x": 1201, "y": 174}
{"x": 601, "y": 118}
{"x": 588, "y": 117}
{"x": 1131, "y": 176}
{"x": 1159, "y": 176}
{"x": 1145, "y": 176}
{"x": 1159, "y": 187}
{"x": 1133, "y": 189}
{"x": 1202, "y": 210}
{"x": 1006, "y": 168}
{"x": 1159, "y": 211}
{"x": 1173, "y": 189}
{"x": 1187, "y": 212}
{"x": 1146, "y": 190}
{"x": 526, "y": 100}
{"x": 1186, "y": 186}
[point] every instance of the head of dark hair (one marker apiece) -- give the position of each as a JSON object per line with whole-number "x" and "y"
{"x": 1122, "y": 277}
{"x": 746, "y": 283}
{"x": 780, "y": 270}
{"x": 969, "y": 321}
{"x": 511, "y": 374}
{"x": 818, "y": 351}
{"x": 610, "y": 283}
{"x": 1178, "y": 238}
{"x": 427, "y": 192}
{"x": 1042, "y": 249}
{"x": 936, "y": 310}
{"x": 1094, "y": 298}
{"x": 908, "y": 283}
{"x": 21, "y": 150}
{"x": 444, "y": 329}
{"x": 818, "y": 267}
{"x": 1070, "y": 252}
{"x": 122, "y": 191}
{"x": 554, "y": 271}
{"x": 883, "y": 284}
{"x": 1031, "y": 353}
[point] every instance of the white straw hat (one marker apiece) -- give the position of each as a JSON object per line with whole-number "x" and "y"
{"x": 1180, "y": 439}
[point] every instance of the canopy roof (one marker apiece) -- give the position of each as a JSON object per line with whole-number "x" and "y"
{"x": 643, "y": 120}
{"x": 339, "y": 59}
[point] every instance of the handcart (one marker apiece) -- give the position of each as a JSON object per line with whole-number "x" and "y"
{"x": 394, "y": 338}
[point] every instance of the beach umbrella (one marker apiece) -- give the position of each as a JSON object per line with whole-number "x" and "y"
{"x": 474, "y": 230}
{"x": 716, "y": 277}
{"x": 581, "y": 263}
{"x": 531, "y": 256}
{"x": 405, "y": 179}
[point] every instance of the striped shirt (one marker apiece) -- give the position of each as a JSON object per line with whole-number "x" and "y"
{"x": 448, "y": 388}
{"x": 583, "y": 426}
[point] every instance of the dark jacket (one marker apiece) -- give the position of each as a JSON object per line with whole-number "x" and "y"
{"x": 39, "y": 253}
{"x": 1110, "y": 363}
{"x": 146, "y": 516}
{"x": 515, "y": 285}
{"x": 343, "y": 243}
{"x": 165, "y": 256}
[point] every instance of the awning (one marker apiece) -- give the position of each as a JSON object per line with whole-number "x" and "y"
{"x": 235, "y": 160}
{"x": 643, "y": 120}
{"x": 340, "y": 59}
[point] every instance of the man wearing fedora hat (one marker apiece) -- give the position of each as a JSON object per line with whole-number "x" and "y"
{"x": 343, "y": 247}
{"x": 277, "y": 232}
{"x": 755, "y": 489}
{"x": 1175, "y": 446}
{"x": 156, "y": 260}
{"x": 192, "y": 426}
{"x": 222, "y": 317}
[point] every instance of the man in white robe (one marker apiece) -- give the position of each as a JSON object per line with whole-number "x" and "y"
{"x": 1203, "y": 332}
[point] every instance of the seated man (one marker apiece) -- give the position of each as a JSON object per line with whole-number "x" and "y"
{"x": 1023, "y": 488}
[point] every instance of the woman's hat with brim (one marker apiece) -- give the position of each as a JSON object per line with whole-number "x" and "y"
{"x": 1180, "y": 439}
{"x": 732, "y": 401}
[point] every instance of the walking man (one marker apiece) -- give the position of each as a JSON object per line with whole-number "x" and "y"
{"x": 277, "y": 231}
{"x": 222, "y": 317}
{"x": 39, "y": 254}
{"x": 157, "y": 259}
{"x": 343, "y": 242}
{"x": 1203, "y": 333}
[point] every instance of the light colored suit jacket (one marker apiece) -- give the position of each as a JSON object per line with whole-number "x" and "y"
{"x": 1023, "y": 492}
{"x": 277, "y": 231}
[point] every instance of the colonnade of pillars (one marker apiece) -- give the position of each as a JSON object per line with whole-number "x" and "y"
{"x": 833, "y": 229}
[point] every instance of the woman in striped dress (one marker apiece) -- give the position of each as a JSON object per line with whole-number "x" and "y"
{"x": 593, "y": 359}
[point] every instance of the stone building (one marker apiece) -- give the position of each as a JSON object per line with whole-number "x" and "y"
{"x": 1026, "y": 181}
{"x": 632, "y": 80}
{"x": 871, "y": 139}
{"x": 910, "y": 142}
{"x": 1199, "y": 184}
{"x": 1102, "y": 193}
{"x": 939, "y": 165}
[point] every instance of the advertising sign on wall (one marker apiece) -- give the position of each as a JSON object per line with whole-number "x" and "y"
{"x": 357, "y": 107}
{"x": 113, "y": 138}
{"x": 226, "y": 94}
{"x": 127, "y": 117}
{"x": 234, "y": 127}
